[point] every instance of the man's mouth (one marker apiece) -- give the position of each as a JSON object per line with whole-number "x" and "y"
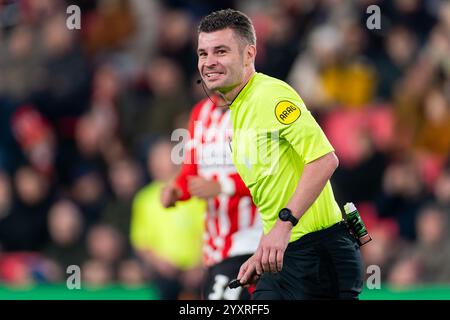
{"x": 213, "y": 75}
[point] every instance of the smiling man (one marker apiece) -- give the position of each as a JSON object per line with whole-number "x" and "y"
{"x": 306, "y": 251}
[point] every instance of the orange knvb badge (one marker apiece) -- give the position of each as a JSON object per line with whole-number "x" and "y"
{"x": 287, "y": 112}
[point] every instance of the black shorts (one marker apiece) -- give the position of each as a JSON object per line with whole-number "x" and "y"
{"x": 325, "y": 264}
{"x": 218, "y": 276}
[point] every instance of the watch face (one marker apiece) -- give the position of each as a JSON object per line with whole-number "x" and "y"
{"x": 284, "y": 215}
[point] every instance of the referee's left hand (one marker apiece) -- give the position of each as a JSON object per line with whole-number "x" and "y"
{"x": 271, "y": 248}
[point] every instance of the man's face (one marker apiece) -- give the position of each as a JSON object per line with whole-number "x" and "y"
{"x": 221, "y": 60}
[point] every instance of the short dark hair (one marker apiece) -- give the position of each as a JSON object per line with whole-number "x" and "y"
{"x": 229, "y": 18}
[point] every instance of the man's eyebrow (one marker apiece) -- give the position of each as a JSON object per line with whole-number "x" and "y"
{"x": 222, "y": 46}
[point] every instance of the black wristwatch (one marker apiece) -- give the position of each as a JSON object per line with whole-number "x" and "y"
{"x": 286, "y": 215}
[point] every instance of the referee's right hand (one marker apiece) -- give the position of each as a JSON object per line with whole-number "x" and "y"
{"x": 250, "y": 272}
{"x": 169, "y": 195}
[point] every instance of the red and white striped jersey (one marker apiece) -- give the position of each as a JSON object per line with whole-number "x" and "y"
{"x": 232, "y": 225}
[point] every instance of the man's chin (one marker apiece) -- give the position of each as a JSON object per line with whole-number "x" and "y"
{"x": 214, "y": 85}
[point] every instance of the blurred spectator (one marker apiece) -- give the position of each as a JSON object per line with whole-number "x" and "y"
{"x": 105, "y": 87}
{"x": 102, "y": 116}
{"x": 65, "y": 225}
{"x": 433, "y": 245}
{"x": 321, "y": 53}
{"x": 352, "y": 81}
{"x": 108, "y": 27}
{"x": 88, "y": 192}
{"x": 105, "y": 244}
{"x": 411, "y": 90}
{"x": 412, "y": 13}
{"x": 280, "y": 44}
{"x": 35, "y": 137}
{"x": 442, "y": 191}
{"x": 106, "y": 249}
{"x": 427, "y": 261}
{"x": 169, "y": 241}
{"x": 407, "y": 96}
{"x": 402, "y": 195}
{"x": 383, "y": 250}
{"x": 96, "y": 273}
{"x": 88, "y": 138}
{"x": 156, "y": 110}
{"x": 25, "y": 228}
{"x": 433, "y": 135}
{"x": 64, "y": 77}
{"x": 5, "y": 196}
{"x": 335, "y": 72}
{"x": 20, "y": 62}
{"x": 361, "y": 181}
{"x": 400, "y": 51}
{"x": 444, "y": 15}
{"x": 175, "y": 40}
{"x": 147, "y": 17}
{"x": 130, "y": 273}
{"x": 10, "y": 153}
{"x": 405, "y": 273}
{"x": 125, "y": 180}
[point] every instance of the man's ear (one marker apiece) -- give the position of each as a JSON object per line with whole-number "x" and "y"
{"x": 250, "y": 54}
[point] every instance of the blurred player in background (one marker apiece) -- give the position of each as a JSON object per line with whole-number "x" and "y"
{"x": 168, "y": 240}
{"x": 233, "y": 226}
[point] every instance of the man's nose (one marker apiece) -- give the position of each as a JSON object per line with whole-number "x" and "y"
{"x": 211, "y": 61}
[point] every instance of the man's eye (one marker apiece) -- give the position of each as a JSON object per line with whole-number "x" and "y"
{"x": 221, "y": 52}
{"x": 202, "y": 54}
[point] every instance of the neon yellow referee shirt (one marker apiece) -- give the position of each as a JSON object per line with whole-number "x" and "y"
{"x": 274, "y": 137}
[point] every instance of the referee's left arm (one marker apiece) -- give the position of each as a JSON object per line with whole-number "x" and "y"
{"x": 314, "y": 177}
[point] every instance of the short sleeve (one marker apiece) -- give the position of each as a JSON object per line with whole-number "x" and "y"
{"x": 286, "y": 113}
{"x": 307, "y": 138}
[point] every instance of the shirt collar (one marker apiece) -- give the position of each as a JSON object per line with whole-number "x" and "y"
{"x": 244, "y": 90}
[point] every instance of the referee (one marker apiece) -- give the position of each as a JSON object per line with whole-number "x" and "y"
{"x": 286, "y": 161}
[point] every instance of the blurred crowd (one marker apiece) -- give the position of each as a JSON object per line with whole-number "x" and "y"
{"x": 82, "y": 111}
